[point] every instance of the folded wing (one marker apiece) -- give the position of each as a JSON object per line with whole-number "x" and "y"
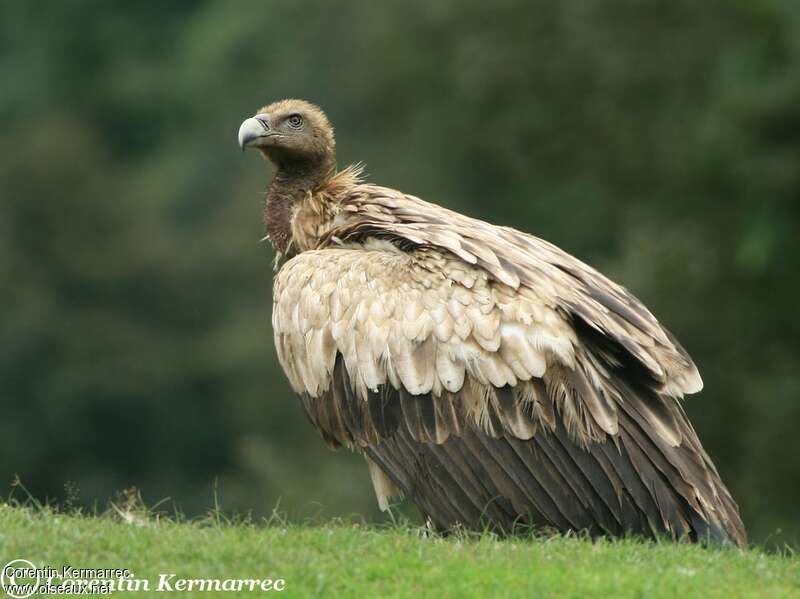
{"x": 504, "y": 392}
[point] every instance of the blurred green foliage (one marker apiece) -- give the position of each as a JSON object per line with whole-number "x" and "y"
{"x": 659, "y": 141}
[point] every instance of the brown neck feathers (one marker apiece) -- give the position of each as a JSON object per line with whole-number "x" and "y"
{"x": 293, "y": 182}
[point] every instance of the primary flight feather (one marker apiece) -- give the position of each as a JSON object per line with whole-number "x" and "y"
{"x": 484, "y": 373}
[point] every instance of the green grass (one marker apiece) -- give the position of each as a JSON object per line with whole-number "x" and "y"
{"x": 347, "y": 560}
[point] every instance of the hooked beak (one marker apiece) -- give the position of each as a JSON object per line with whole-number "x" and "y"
{"x": 253, "y": 129}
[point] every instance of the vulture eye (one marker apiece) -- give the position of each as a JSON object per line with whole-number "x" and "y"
{"x": 295, "y": 121}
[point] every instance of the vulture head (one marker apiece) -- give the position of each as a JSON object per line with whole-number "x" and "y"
{"x": 294, "y": 134}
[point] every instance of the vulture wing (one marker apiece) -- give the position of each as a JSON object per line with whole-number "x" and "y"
{"x": 493, "y": 378}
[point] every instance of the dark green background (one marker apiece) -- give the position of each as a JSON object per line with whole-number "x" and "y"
{"x": 659, "y": 141}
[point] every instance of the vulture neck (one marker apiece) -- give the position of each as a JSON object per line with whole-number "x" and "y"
{"x": 294, "y": 180}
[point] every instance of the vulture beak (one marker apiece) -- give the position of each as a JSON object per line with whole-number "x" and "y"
{"x": 253, "y": 129}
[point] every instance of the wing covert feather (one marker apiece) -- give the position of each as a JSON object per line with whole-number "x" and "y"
{"x": 524, "y": 262}
{"x": 409, "y": 321}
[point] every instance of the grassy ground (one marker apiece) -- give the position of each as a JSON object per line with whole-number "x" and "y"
{"x": 346, "y": 560}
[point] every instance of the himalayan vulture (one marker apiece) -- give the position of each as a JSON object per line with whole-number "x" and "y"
{"x": 487, "y": 375}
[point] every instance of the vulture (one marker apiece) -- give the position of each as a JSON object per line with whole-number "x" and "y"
{"x": 485, "y": 374}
